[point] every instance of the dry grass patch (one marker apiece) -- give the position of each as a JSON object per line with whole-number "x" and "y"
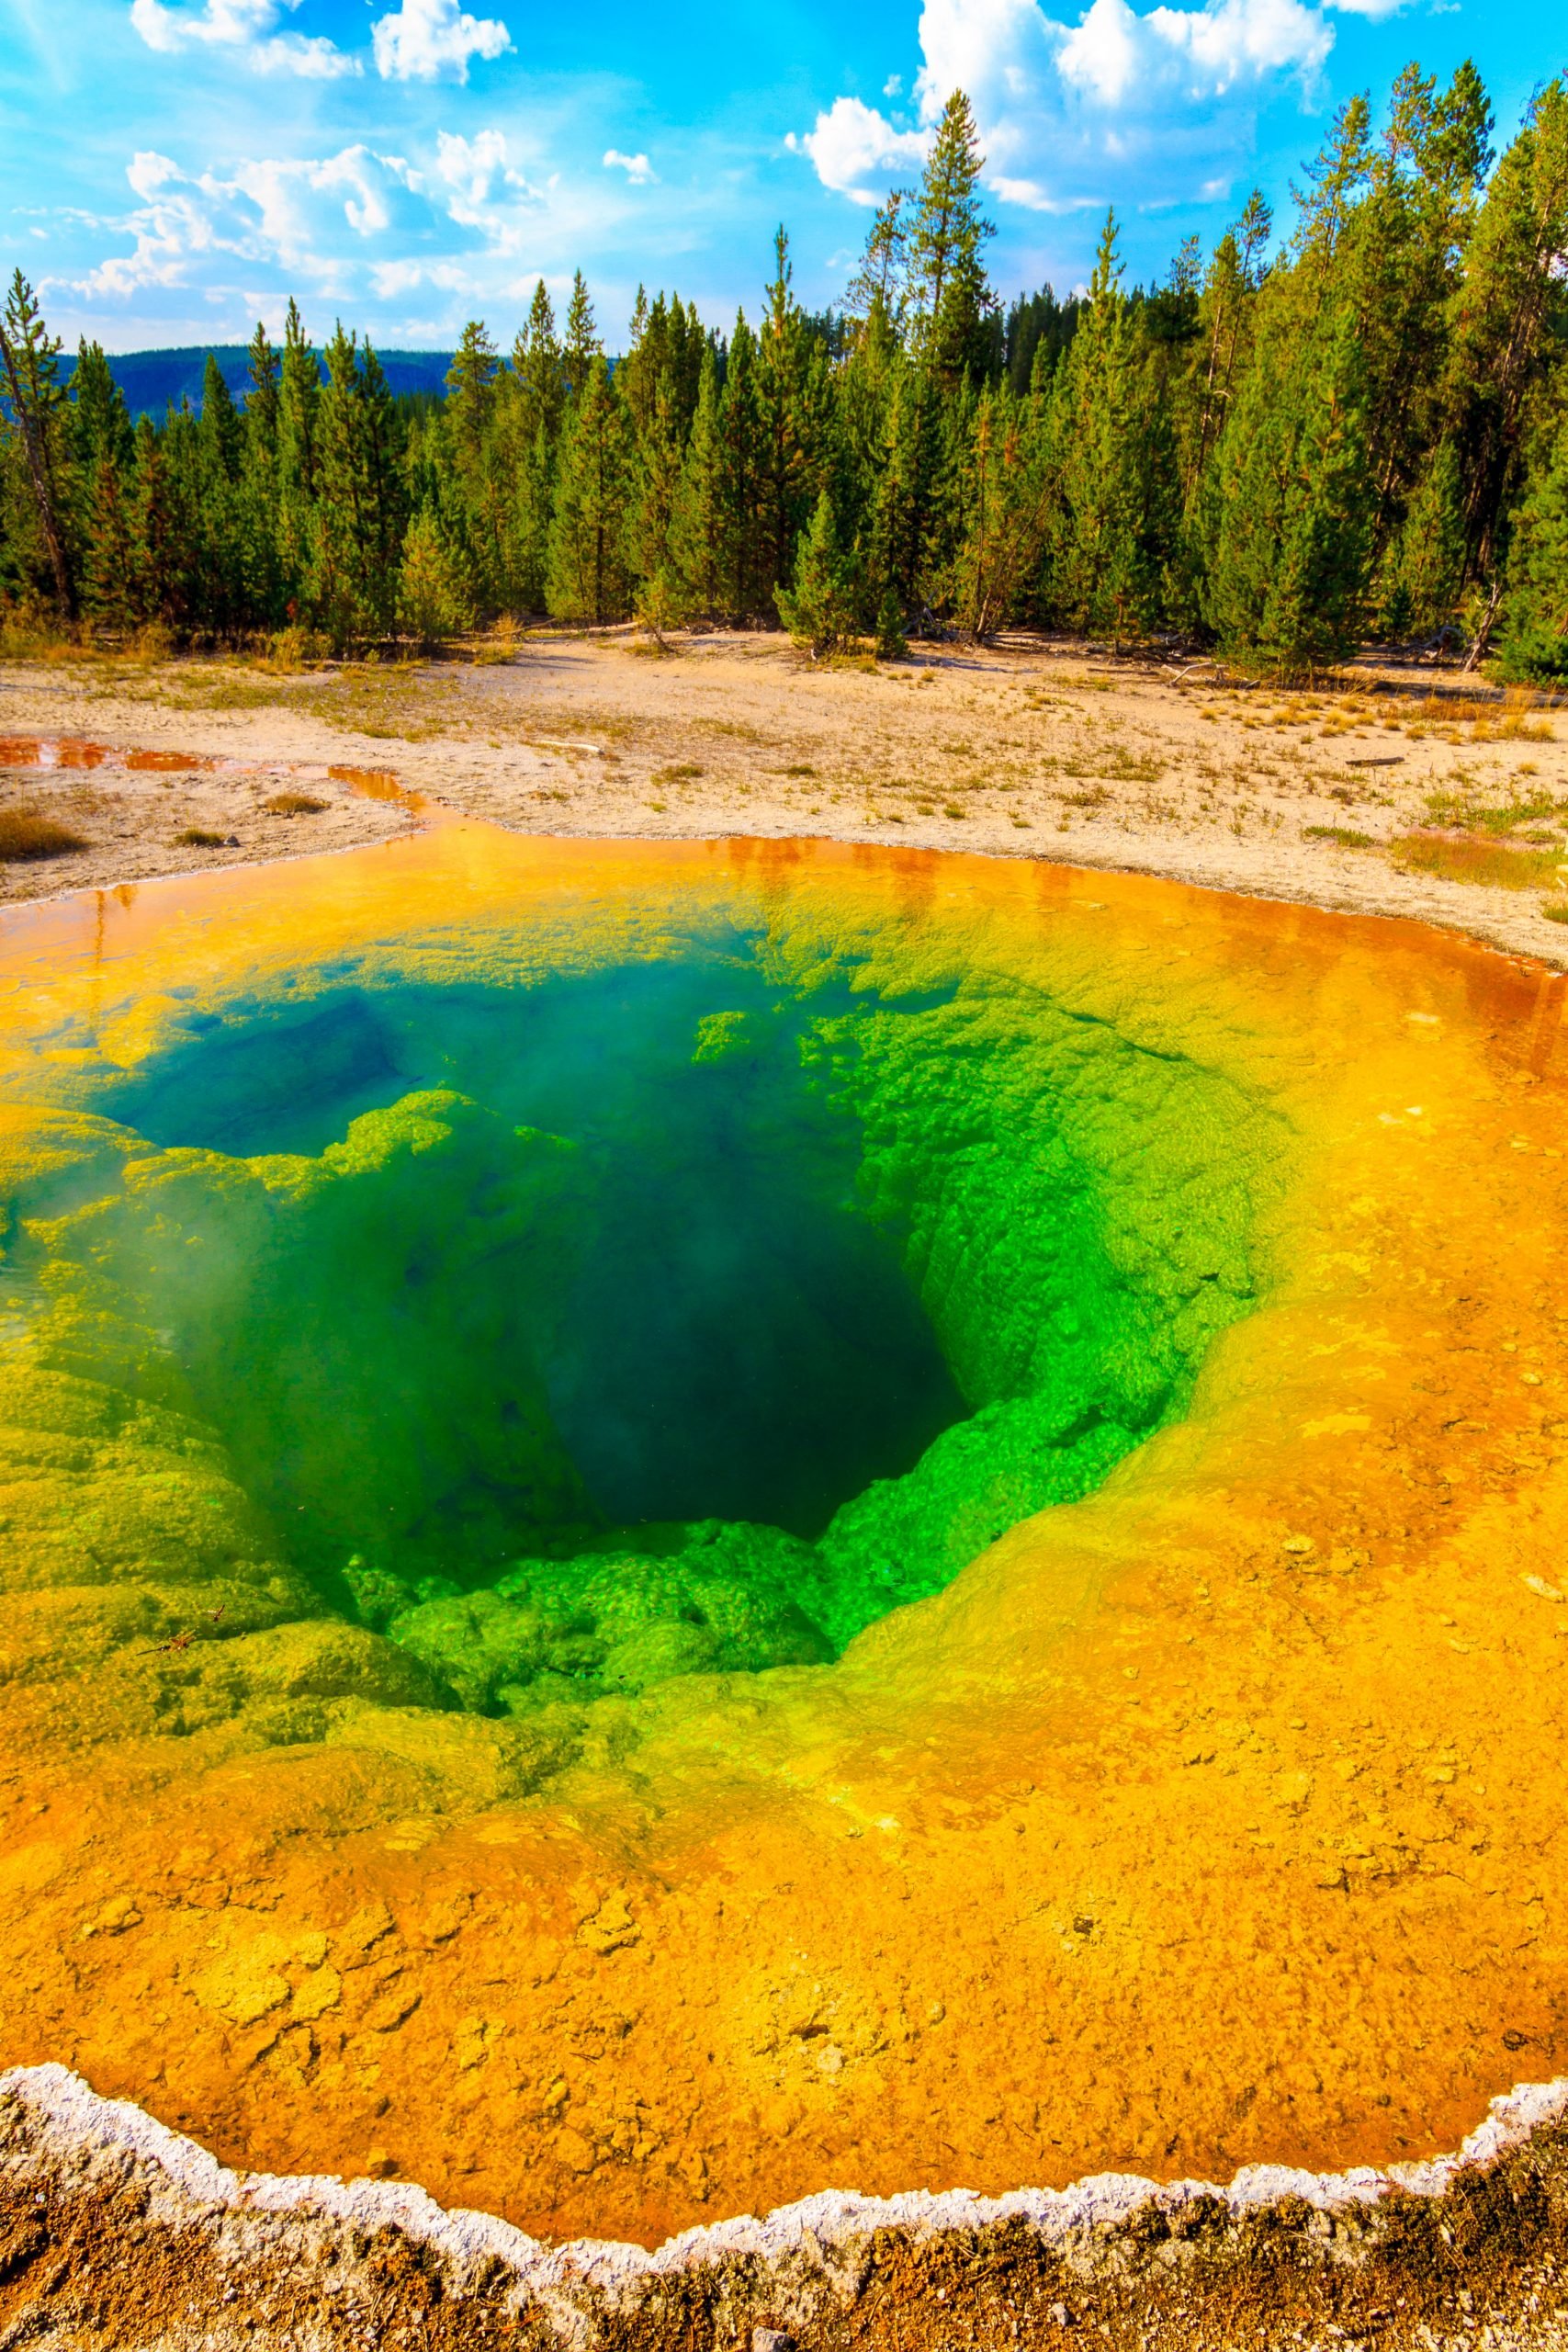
{"x": 295, "y": 804}
{"x": 25, "y": 834}
{"x": 1490, "y": 862}
{"x": 1447, "y": 807}
{"x": 1344, "y": 836}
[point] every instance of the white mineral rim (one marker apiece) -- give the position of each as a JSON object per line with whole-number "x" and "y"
{"x": 813, "y": 2250}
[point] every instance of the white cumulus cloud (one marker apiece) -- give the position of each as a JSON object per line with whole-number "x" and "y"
{"x": 448, "y": 220}
{"x": 290, "y": 214}
{"x": 637, "y": 168}
{"x": 1126, "y": 101}
{"x": 857, "y": 152}
{"x": 426, "y": 40}
{"x": 248, "y": 27}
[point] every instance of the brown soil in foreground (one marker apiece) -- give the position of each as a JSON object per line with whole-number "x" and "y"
{"x": 1031, "y": 751}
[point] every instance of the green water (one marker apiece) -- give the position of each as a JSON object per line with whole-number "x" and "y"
{"x": 684, "y": 1317}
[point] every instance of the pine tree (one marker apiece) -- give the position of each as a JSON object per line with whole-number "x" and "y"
{"x": 298, "y": 398}
{"x": 261, "y": 399}
{"x": 220, "y": 594}
{"x": 657, "y": 482}
{"x": 746, "y": 592}
{"x": 892, "y": 644}
{"x": 1421, "y": 588}
{"x": 432, "y": 600}
{"x": 589, "y": 578}
{"x": 109, "y": 571}
{"x": 470, "y": 394}
{"x": 819, "y": 610}
{"x": 100, "y": 422}
{"x": 1288, "y": 574}
{"x": 29, "y": 360}
{"x": 688, "y": 347}
{"x": 1335, "y": 180}
{"x": 784, "y": 490}
{"x": 1533, "y": 637}
{"x": 538, "y": 370}
{"x": 949, "y": 293}
{"x": 258, "y": 500}
{"x": 1505, "y": 320}
{"x": 1224, "y": 319}
{"x": 1116, "y": 530}
{"x": 360, "y": 500}
{"x": 699, "y": 522}
{"x": 582, "y": 345}
{"x": 883, "y": 277}
{"x": 160, "y": 564}
{"x": 902, "y": 533}
{"x": 98, "y": 433}
{"x": 219, "y": 427}
{"x": 533, "y": 504}
{"x": 1003, "y": 502}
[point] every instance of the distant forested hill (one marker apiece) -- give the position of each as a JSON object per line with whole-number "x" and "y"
{"x": 150, "y": 379}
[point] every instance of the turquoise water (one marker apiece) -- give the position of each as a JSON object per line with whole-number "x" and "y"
{"x": 719, "y": 1328}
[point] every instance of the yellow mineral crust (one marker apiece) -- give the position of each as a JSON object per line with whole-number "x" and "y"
{"x": 1217, "y": 1818}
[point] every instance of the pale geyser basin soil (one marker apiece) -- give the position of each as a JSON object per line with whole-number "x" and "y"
{"x": 1033, "y": 752}
{"x": 1215, "y": 1818}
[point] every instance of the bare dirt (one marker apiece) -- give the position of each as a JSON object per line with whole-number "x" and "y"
{"x": 1398, "y": 792}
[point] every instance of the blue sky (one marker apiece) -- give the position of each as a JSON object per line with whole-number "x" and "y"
{"x": 170, "y": 170}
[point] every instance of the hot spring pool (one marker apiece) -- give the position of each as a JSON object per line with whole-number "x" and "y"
{"x": 685, "y": 1519}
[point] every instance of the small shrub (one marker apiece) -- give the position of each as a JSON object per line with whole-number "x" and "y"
{"x": 197, "y": 837}
{"x": 30, "y": 632}
{"x": 295, "y": 804}
{"x": 892, "y": 643}
{"x": 685, "y": 773}
{"x": 25, "y": 834}
{"x": 1346, "y": 836}
{"x": 292, "y": 647}
{"x": 1556, "y": 910}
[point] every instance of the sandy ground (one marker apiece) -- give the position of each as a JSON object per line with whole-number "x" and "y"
{"x": 1025, "y": 750}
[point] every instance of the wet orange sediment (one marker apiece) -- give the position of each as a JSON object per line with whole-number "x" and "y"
{"x": 75, "y": 751}
{"x": 1216, "y": 1818}
{"x": 378, "y": 784}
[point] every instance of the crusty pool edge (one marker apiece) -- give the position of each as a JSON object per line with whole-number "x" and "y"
{"x": 119, "y": 2233}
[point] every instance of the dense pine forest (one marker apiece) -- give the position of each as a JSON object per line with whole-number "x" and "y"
{"x": 1356, "y": 431}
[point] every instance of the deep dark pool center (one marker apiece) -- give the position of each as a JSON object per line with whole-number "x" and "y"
{"x": 579, "y": 1329}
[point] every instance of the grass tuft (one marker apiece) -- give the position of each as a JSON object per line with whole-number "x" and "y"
{"x": 25, "y": 834}
{"x": 198, "y": 837}
{"x": 1347, "y": 836}
{"x": 295, "y": 804}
